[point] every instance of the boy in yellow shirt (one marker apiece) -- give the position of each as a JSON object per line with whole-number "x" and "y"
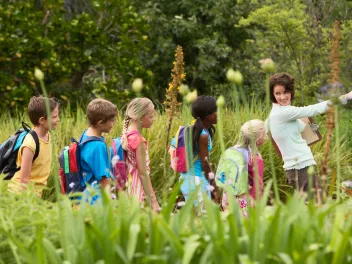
{"x": 37, "y": 171}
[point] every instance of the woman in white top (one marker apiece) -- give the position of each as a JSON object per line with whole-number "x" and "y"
{"x": 285, "y": 127}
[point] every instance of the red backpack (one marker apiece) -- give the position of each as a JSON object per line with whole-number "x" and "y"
{"x": 178, "y": 152}
{"x": 70, "y": 168}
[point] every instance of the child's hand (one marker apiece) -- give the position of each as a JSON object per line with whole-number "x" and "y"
{"x": 216, "y": 194}
{"x": 156, "y": 206}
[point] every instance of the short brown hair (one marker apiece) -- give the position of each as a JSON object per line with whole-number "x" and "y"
{"x": 37, "y": 109}
{"x": 100, "y": 109}
{"x": 284, "y": 79}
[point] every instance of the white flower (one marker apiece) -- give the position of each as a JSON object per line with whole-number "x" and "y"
{"x": 113, "y": 196}
{"x": 114, "y": 160}
{"x": 221, "y": 101}
{"x": 191, "y": 97}
{"x": 210, "y": 188}
{"x": 267, "y": 65}
{"x": 229, "y": 181}
{"x": 137, "y": 85}
{"x": 71, "y": 185}
{"x": 180, "y": 204}
{"x": 38, "y": 74}
{"x": 211, "y": 175}
{"x": 184, "y": 89}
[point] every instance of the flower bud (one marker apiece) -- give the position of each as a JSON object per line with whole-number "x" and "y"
{"x": 221, "y": 101}
{"x": 191, "y": 96}
{"x": 184, "y": 89}
{"x": 267, "y": 65}
{"x": 234, "y": 76}
{"x": 137, "y": 85}
{"x": 39, "y": 74}
{"x": 230, "y": 75}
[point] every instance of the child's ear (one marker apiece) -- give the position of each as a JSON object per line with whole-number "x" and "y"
{"x": 100, "y": 122}
{"x": 42, "y": 120}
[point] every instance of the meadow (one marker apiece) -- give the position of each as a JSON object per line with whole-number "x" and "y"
{"x": 120, "y": 231}
{"x": 85, "y": 50}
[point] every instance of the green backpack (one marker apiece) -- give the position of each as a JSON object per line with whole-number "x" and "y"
{"x": 233, "y": 170}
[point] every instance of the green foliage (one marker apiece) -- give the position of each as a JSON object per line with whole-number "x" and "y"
{"x": 36, "y": 231}
{"x": 84, "y": 51}
{"x": 97, "y": 47}
{"x": 205, "y": 31}
{"x": 297, "y": 36}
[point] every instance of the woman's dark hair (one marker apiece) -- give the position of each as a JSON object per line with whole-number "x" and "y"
{"x": 204, "y": 105}
{"x": 284, "y": 79}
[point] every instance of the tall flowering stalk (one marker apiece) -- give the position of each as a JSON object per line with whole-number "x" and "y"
{"x": 268, "y": 66}
{"x": 334, "y": 79}
{"x": 171, "y": 104}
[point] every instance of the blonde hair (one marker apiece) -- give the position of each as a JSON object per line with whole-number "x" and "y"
{"x": 136, "y": 109}
{"x": 250, "y": 132}
{"x": 100, "y": 109}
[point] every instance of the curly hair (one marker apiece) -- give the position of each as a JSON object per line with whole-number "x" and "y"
{"x": 284, "y": 79}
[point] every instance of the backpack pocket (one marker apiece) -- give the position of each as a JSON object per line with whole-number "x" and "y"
{"x": 120, "y": 173}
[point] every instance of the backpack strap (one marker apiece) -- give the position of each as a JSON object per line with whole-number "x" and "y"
{"x": 133, "y": 132}
{"x": 245, "y": 155}
{"x": 28, "y": 129}
{"x": 37, "y": 144}
{"x": 113, "y": 145}
{"x": 90, "y": 138}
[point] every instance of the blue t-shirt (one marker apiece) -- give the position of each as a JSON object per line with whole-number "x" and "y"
{"x": 95, "y": 161}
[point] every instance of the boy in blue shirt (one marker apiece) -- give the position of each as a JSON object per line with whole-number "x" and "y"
{"x": 94, "y": 160}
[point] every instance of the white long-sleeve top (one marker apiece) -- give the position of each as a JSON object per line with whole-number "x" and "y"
{"x": 286, "y": 128}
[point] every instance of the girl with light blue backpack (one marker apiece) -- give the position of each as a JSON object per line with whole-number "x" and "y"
{"x": 240, "y": 165}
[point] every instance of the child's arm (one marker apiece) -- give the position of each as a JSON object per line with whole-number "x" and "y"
{"x": 204, "y": 154}
{"x": 144, "y": 177}
{"x": 105, "y": 184}
{"x": 26, "y": 166}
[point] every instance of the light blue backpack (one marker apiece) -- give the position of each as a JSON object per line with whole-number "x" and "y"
{"x": 233, "y": 170}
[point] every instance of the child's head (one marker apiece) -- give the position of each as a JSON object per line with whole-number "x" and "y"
{"x": 204, "y": 110}
{"x": 38, "y": 115}
{"x": 252, "y": 135}
{"x": 101, "y": 114}
{"x": 139, "y": 109}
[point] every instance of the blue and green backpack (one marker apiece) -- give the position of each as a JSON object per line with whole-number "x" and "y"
{"x": 233, "y": 170}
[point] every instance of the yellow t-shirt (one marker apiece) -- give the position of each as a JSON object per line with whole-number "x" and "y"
{"x": 40, "y": 167}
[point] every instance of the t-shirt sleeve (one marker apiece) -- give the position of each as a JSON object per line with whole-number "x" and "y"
{"x": 134, "y": 141}
{"x": 29, "y": 143}
{"x": 99, "y": 161}
{"x": 290, "y": 113}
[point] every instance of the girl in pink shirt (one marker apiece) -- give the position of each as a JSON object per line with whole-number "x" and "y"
{"x": 139, "y": 114}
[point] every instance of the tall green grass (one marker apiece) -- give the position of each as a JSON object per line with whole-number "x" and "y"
{"x": 33, "y": 230}
{"x": 73, "y": 125}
